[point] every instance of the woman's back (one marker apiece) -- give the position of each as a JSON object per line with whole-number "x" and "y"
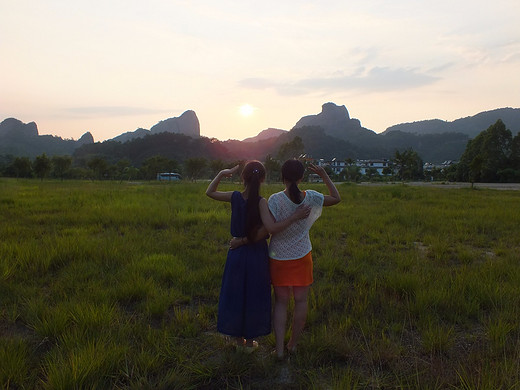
{"x": 294, "y": 241}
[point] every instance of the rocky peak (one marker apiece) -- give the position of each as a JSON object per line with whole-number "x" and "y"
{"x": 334, "y": 119}
{"x": 86, "y": 138}
{"x": 332, "y": 111}
{"x": 187, "y": 124}
{"x": 15, "y": 127}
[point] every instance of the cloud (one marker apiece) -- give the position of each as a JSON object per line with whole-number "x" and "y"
{"x": 377, "y": 79}
{"x": 109, "y": 111}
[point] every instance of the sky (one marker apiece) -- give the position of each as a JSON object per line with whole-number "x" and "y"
{"x": 112, "y": 66}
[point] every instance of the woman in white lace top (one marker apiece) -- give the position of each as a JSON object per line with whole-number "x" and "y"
{"x": 290, "y": 257}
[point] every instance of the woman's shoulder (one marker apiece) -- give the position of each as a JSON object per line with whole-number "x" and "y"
{"x": 314, "y": 196}
{"x": 236, "y": 196}
{"x": 276, "y": 195}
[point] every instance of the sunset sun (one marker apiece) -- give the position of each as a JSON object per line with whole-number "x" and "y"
{"x": 246, "y": 110}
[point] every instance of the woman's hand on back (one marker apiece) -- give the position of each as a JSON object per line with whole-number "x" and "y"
{"x": 302, "y": 212}
{"x": 236, "y": 242}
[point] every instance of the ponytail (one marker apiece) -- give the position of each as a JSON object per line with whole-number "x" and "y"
{"x": 294, "y": 193}
{"x": 253, "y": 219}
{"x": 292, "y": 171}
{"x": 253, "y": 175}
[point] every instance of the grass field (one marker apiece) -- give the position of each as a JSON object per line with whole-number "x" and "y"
{"x": 115, "y": 285}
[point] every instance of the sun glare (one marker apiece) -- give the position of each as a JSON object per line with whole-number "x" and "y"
{"x": 246, "y": 110}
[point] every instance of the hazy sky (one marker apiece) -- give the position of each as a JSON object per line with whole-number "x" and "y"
{"x": 111, "y": 66}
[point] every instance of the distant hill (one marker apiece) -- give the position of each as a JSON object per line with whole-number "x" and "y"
{"x": 336, "y": 122}
{"x": 266, "y": 134}
{"x": 174, "y": 146}
{"x": 328, "y": 134}
{"x": 344, "y": 137}
{"x": 130, "y": 135}
{"x": 22, "y": 139}
{"x": 187, "y": 124}
{"x": 471, "y": 125}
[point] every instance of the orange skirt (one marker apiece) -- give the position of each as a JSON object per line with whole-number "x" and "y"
{"x": 296, "y": 272}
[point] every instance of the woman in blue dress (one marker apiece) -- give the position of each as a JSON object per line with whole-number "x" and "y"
{"x": 244, "y": 310}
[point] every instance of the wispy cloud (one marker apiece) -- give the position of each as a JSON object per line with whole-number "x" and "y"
{"x": 110, "y": 111}
{"x": 377, "y": 79}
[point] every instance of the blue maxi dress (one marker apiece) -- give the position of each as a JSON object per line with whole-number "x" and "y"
{"x": 244, "y": 308}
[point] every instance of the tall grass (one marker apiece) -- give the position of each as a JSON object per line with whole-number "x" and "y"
{"x": 115, "y": 285}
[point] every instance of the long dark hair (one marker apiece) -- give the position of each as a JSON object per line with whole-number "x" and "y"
{"x": 292, "y": 171}
{"x": 253, "y": 174}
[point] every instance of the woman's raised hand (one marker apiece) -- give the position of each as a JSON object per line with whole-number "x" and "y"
{"x": 317, "y": 169}
{"x": 229, "y": 172}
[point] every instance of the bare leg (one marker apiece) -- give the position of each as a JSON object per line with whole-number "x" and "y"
{"x": 281, "y": 301}
{"x": 300, "y": 315}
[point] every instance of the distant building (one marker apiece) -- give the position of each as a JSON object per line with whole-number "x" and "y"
{"x": 430, "y": 166}
{"x": 314, "y": 178}
{"x": 379, "y": 165}
{"x": 337, "y": 165}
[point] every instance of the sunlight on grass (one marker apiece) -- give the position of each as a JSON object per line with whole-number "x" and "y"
{"x": 112, "y": 285}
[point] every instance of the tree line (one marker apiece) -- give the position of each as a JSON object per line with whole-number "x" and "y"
{"x": 407, "y": 166}
{"x": 492, "y": 156}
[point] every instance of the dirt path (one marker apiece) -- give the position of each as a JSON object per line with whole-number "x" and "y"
{"x": 494, "y": 186}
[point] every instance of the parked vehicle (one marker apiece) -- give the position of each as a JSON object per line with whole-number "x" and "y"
{"x": 168, "y": 176}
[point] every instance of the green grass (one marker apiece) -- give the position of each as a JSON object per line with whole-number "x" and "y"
{"x": 115, "y": 285}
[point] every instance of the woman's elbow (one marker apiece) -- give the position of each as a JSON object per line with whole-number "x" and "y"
{"x": 332, "y": 202}
{"x": 271, "y": 231}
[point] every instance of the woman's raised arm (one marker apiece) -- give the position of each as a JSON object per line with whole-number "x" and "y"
{"x": 211, "y": 191}
{"x": 333, "y": 197}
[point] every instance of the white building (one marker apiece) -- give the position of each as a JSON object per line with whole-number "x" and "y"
{"x": 379, "y": 165}
{"x": 337, "y": 165}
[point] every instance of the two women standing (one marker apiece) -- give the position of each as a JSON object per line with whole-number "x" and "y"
{"x": 245, "y": 298}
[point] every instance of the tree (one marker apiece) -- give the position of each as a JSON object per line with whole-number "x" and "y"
{"x": 515, "y": 156}
{"x": 42, "y": 166}
{"x": 475, "y": 168}
{"x": 489, "y": 156}
{"x": 215, "y": 166}
{"x": 371, "y": 173}
{"x": 193, "y": 167}
{"x": 60, "y": 166}
{"x": 272, "y": 168}
{"x": 99, "y": 167}
{"x": 5, "y": 162}
{"x": 386, "y": 171}
{"x": 352, "y": 173}
{"x": 409, "y": 165}
{"x": 291, "y": 149}
{"x": 21, "y": 167}
{"x": 157, "y": 164}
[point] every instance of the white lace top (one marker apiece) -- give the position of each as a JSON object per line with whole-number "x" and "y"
{"x": 293, "y": 242}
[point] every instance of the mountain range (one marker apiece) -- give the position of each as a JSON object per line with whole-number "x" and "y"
{"x": 328, "y": 134}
